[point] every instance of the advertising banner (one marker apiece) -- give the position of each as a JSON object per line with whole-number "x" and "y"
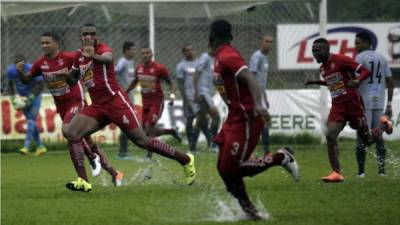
{"x": 292, "y": 111}
{"x": 295, "y": 42}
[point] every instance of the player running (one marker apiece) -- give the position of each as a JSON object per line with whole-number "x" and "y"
{"x": 150, "y": 74}
{"x": 373, "y": 93}
{"x": 68, "y": 100}
{"x": 111, "y": 104}
{"x": 338, "y": 72}
{"x": 241, "y": 130}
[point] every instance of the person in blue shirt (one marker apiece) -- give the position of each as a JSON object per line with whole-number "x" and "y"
{"x": 30, "y": 96}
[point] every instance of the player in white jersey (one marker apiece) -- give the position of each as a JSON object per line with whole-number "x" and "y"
{"x": 373, "y": 93}
{"x": 259, "y": 67}
{"x": 184, "y": 74}
{"x": 204, "y": 91}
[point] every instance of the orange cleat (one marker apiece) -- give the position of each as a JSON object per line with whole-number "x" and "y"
{"x": 117, "y": 180}
{"x": 387, "y": 124}
{"x": 333, "y": 177}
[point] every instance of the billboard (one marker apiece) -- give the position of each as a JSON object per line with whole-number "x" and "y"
{"x": 292, "y": 112}
{"x": 295, "y": 42}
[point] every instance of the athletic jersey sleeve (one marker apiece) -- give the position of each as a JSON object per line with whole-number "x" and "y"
{"x": 164, "y": 72}
{"x": 202, "y": 63}
{"x": 35, "y": 69}
{"x": 179, "y": 72}
{"x": 75, "y": 60}
{"x": 120, "y": 66}
{"x": 350, "y": 64}
{"x": 103, "y": 49}
{"x": 253, "y": 64}
{"x": 233, "y": 63}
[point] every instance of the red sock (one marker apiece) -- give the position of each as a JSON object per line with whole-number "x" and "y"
{"x": 77, "y": 157}
{"x": 255, "y": 166}
{"x": 164, "y": 149}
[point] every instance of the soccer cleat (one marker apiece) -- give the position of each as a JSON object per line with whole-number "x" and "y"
{"x": 386, "y": 124}
{"x": 23, "y": 151}
{"x": 190, "y": 170}
{"x": 333, "y": 177}
{"x": 251, "y": 211}
{"x": 79, "y": 185}
{"x": 290, "y": 163}
{"x": 382, "y": 174}
{"x": 361, "y": 175}
{"x": 96, "y": 165}
{"x": 117, "y": 180}
{"x": 40, "y": 150}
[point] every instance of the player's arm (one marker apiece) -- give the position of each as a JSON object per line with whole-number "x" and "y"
{"x": 390, "y": 87}
{"x": 88, "y": 51}
{"x": 172, "y": 90}
{"x": 246, "y": 76}
{"x": 196, "y": 78}
{"x": 37, "y": 87}
{"x": 358, "y": 69}
{"x": 24, "y": 77}
{"x": 120, "y": 66}
{"x": 132, "y": 85}
{"x": 180, "y": 81}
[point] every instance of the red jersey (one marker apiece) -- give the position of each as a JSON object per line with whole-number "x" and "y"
{"x": 228, "y": 63}
{"x": 337, "y": 72}
{"x": 52, "y": 70}
{"x": 98, "y": 78}
{"x": 150, "y": 77}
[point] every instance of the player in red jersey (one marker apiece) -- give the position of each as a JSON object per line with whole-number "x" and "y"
{"x": 150, "y": 74}
{"x": 110, "y": 103}
{"x": 68, "y": 100}
{"x": 247, "y": 113}
{"x": 339, "y": 74}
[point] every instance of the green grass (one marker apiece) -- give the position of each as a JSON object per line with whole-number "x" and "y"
{"x": 33, "y": 192}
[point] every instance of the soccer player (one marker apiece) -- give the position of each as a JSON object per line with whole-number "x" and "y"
{"x": 125, "y": 70}
{"x": 241, "y": 130}
{"x": 184, "y": 75}
{"x": 204, "y": 89}
{"x": 111, "y": 104}
{"x": 54, "y": 64}
{"x": 32, "y": 94}
{"x": 338, "y": 72}
{"x": 150, "y": 74}
{"x": 259, "y": 67}
{"x": 373, "y": 93}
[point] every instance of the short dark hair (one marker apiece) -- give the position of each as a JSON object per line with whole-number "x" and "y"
{"x": 19, "y": 57}
{"x": 89, "y": 25}
{"x": 127, "y": 45}
{"x": 51, "y": 34}
{"x": 221, "y": 29}
{"x": 321, "y": 40}
{"x": 365, "y": 36}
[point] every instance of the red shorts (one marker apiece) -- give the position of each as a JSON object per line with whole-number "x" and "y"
{"x": 118, "y": 110}
{"x": 152, "y": 112}
{"x": 236, "y": 143}
{"x": 351, "y": 111}
{"x": 69, "y": 109}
